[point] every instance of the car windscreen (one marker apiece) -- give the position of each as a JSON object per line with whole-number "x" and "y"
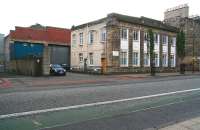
{"x": 56, "y": 66}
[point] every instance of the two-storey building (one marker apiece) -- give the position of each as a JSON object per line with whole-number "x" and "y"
{"x": 119, "y": 43}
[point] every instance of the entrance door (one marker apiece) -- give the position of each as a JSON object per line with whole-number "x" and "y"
{"x": 38, "y": 67}
{"x": 103, "y": 65}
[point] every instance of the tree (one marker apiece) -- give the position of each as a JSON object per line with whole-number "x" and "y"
{"x": 180, "y": 45}
{"x": 151, "y": 51}
{"x": 180, "y": 49}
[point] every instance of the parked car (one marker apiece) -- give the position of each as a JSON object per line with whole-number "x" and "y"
{"x": 56, "y": 69}
{"x": 66, "y": 67}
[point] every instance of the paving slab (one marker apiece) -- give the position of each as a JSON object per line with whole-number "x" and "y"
{"x": 191, "y": 124}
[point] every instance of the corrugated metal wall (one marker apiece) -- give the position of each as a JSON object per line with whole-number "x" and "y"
{"x": 60, "y": 55}
{"x": 22, "y": 50}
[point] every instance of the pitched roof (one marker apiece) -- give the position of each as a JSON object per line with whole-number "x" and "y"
{"x": 51, "y": 35}
{"x": 144, "y": 21}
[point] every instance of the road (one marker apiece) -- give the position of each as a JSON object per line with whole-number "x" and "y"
{"x": 126, "y": 114}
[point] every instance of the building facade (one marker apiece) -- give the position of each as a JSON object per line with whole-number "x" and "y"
{"x": 31, "y": 50}
{"x": 179, "y": 17}
{"x": 1, "y": 48}
{"x": 119, "y": 44}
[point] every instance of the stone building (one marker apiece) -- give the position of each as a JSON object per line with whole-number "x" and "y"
{"x": 118, "y": 44}
{"x": 179, "y": 17}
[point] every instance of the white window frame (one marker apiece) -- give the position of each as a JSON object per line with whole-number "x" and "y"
{"x": 146, "y": 59}
{"x": 156, "y": 60}
{"x": 91, "y": 58}
{"x": 135, "y": 58}
{"x": 146, "y": 36}
{"x": 164, "y": 39}
{"x": 103, "y": 35}
{"x": 173, "y": 41}
{"x": 172, "y": 65}
{"x": 81, "y": 38}
{"x": 74, "y": 39}
{"x": 155, "y": 38}
{"x": 91, "y": 37}
{"x": 135, "y": 35}
{"x": 164, "y": 60}
{"x": 124, "y": 59}
{"x": 124, "y": 33}
{"x": 80, "y": 57}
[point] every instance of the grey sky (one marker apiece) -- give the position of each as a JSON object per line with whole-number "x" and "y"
{"x": 65, "y": 13}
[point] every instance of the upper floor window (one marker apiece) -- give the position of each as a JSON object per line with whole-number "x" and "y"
{"x": 73, "y": 39}
{"x": 135, "y": 35}
{"x": 174, "y": 41}
{"x": 81, "y": 38}
{"x": 170, "y": 40}
{"x": 164, "y": 39}
{"x": 103, "y": 35}
{"x": 91, "y": 37}
{"x": 155, "y": 38}
{"x": 124, "y": 34}
{"x": 146, "y": 36}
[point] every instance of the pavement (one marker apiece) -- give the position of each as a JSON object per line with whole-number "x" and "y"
{"x": 192, "y": 124}
{"x": 76, "y": 79}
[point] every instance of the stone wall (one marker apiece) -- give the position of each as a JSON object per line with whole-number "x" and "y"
{"x": 46, "y": 61}
{"x": 113, "y": 44}
{"x": 27, "y": 66}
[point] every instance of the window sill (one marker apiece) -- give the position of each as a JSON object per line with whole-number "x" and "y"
{"x": 136, "y": 65}
{"x": 124, "y": 39}
{"x": 125, "y": 66}
{"x": 136, "y": 41}
{"x": 102, "y": 41}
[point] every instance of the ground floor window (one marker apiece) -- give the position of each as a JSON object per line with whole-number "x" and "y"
{"x": 164, "y": 60}
{"x": 91, "y": 61}
{"x": 123, "y": 58}
{"x": 146, "y": 59}
{"x": 172, "y": 60}
{"x": 156, "y": 60}
{"x": 135, "y": 58}
{"x": 80, "y": 57}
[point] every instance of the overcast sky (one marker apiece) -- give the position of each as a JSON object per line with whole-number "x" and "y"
{"x": 65, "y": 13}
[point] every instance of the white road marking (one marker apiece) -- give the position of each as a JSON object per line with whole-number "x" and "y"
{"x": 93, "y": 104}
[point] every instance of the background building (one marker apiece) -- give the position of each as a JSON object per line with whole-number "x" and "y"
{"x": 179, "y": 17}
{"x": 2, "y": 53}
{"x": 1, "y": 48}
{"x": 30, "y": 50}
{"x": 118, "y": 44}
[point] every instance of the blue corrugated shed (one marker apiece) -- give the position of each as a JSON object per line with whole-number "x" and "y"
{"x": 22, "y": 50}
